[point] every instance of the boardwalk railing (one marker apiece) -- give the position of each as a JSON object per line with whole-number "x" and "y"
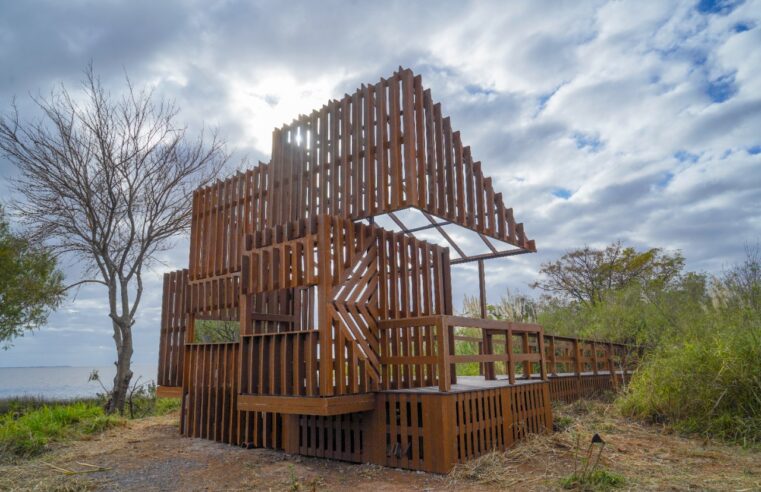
{"x": 422, "y": 351}
{"x": 426, "y": 350}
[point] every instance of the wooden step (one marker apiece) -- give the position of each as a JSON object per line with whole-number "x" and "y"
{"x": 307, "y": 405}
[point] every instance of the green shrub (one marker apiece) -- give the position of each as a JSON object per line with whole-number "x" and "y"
{"x": 167, "y": 405}
{"x": 709, "y": 385}
{"x": 701, "y": 336}
{"x": 597, "y": 480}
{"x": 28, "y": 434}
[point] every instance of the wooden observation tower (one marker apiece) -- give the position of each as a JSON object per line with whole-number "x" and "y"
{"x": 348, "y": 345}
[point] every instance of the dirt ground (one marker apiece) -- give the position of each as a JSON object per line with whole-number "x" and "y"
{"x": 149, "y": 455}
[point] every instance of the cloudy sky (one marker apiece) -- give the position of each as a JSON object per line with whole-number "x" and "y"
{"x": 638, "y": 121}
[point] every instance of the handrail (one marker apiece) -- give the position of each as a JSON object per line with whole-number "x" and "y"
{"x": 402, "y": 361}
{"x": 397, "y": 347}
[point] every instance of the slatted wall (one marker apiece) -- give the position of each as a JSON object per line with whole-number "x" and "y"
{"x": 174, "y": 322}
{"x": 354, "y": 275}
{"x": 260, "y": 430}
{"x": 284, "y": 364}
{"x": 489, "y": 420}
{"x": 340, "y": 437}
{"x": 383, "y": 148}
{"x": 223, "y": 214}
{"x": 569, "y": 388}
{"x": 209, "y": 403}
{"x": 410, "y": 355}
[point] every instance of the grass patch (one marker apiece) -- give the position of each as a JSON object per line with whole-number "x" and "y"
{"x": 166, "y": 405}
{"x": 28, "y": 425}
{"x": 597, "y": 480}
{"x": 29, "y": 433}
{"x": 23, "y": 404}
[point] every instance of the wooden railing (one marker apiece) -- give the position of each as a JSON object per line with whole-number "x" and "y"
{"x": 424, "y": 351}
{"x": 570, "y": 355}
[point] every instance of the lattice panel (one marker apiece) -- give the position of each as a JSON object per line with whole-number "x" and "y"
{"x": 338, "y": 437}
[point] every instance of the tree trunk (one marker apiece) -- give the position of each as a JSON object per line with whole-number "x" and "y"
{"x": 123, "y": 336}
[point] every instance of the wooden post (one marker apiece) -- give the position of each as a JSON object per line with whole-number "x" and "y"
{"x": 291, "y": 434}
{"x": 488, "y": 367}
{"x": 526, "y": 350}
{"x": 510, "y": 355}
{"x": 612, "y": 366}
{"x": 553, "y": 364}
{"x": 324, "y": 321}
{"x": 542, "y": 355}
{"x": 442, "y": 338}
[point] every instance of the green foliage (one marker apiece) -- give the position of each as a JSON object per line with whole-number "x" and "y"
{"x": 644, "y": 315}
{"x": 28, "y": 425}
{"x": 216, "y": 331}
{"x": 30, "y": 284}
{"x": 141, "y": 400}
{"x": 587, "y": 275}
{"x": 562, "y": 423}
{"x": 27, "y": 434}
{"x": 598, "y": 480}
{"x": 167, "y": 405}
{"x": 707, "y": 383}
{"x": 512, "y": 306}
{"x": 701, "y": 370}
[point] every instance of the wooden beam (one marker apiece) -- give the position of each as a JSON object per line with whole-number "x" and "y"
{"x": 168, "y": 391}
{"x": 489, "y": 256}
{"x": 306, "y": 405}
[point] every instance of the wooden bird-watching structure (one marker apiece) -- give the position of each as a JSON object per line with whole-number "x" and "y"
{"x": 348, "y": 346}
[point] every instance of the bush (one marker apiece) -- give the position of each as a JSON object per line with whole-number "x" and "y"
{"x": 594, "y": 481}
{"x": 710, "y": 386}
{"x": 708, "y": 380}
{"x": 28, "y": 434}
{"x": 167, "y": 405}
{"x": 701, "y": 336}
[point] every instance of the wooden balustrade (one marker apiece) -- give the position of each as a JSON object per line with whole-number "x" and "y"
{"x": 421, "y": 351}
{"x": 570, "y": 355}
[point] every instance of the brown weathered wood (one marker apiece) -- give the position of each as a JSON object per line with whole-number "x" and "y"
{"x": 347, "y": 346}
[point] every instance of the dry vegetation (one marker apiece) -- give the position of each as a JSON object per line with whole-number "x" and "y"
{"x": 148, "y": 454}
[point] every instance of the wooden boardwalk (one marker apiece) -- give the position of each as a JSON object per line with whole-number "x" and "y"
{"x": 348, "y": 347}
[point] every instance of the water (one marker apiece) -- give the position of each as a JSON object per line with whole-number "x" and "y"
{"x": 62, "y": 382}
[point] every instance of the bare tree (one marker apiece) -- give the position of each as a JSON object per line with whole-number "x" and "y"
{"x": 109, "y": 179}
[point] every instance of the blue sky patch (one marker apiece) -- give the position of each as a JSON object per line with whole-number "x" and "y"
{"x": 755, "y": 150}
{"x": 665, "y": 179}
{"x": 721, "y": 89}
{"x": 684, "y": 156}
{"x": 477, "y": 90}
{"x": 721, "y": 7}
{"x": 742, "y": 27}
{"x": 563, "y": 193}
{"x": 584, "y": 141}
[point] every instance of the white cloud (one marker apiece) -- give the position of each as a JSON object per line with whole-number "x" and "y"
{"x": 598, "y": 121}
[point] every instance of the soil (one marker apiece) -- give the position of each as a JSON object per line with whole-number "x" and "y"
{"x": 149, "y": 454}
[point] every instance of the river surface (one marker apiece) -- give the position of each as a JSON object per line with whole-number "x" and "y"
{"x": 62, "y": 382}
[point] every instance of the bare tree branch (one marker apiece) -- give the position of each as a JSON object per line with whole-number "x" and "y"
{"x": 109, "y": 179}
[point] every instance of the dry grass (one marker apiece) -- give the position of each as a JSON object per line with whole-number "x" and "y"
{"x": 149, "y": 454}
{"x": 647, "y": 457}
